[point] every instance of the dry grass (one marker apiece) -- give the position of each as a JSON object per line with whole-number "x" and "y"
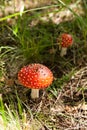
{"x": 63, "y": 106}
{"x": 67, "y": 111}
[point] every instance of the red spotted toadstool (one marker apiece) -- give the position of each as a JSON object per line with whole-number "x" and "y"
{"x": 66, "y": 41}
{"x": 35, "y": 76}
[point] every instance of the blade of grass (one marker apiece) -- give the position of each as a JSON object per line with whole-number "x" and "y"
{"x": 30, "y": 10}
{"x": 66, "y": 6}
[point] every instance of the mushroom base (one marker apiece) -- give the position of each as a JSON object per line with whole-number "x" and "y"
{"x": 34, "y": 93}
{"x": 63, "y": 51}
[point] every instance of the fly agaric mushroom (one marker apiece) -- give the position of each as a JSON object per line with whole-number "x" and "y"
{"x": 35, "y": 76}
{"x": 66, "y": 41}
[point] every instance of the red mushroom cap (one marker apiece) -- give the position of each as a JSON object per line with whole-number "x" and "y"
{"x": 35, "y": 76}
{"x": 66, "y": 40}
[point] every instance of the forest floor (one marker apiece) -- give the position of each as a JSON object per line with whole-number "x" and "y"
{"x": 32, "y": 38}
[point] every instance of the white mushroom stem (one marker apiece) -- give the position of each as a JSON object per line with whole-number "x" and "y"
{"x": 63, "y": 51}
{"x": 34, "y": 93}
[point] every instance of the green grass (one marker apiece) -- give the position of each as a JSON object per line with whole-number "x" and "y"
{"x": 17, "y": 119}
{"x": 21, "y": 44}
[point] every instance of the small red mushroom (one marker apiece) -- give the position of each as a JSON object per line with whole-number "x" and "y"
{"x": 35, "y": 76}
{"x": 66, "y": 41}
